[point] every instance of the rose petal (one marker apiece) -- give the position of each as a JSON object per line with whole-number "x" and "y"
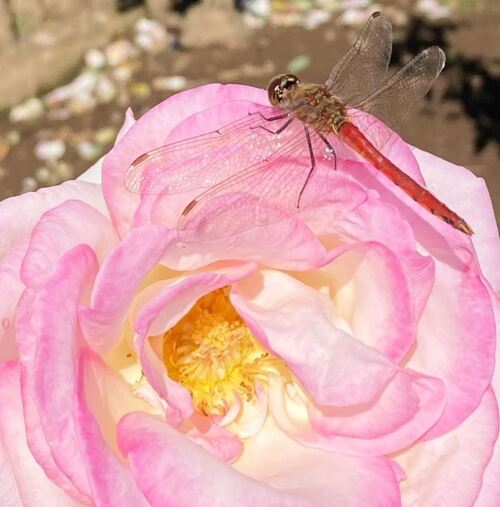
{"x": 51, "y": 376}
{"x": 468, "y": 196}
{"x": 118, "y": 280}
{"x": 373, "y": 274}
{"x": 25, "y": 210}
{"x": 10, "y": 281}
{"x": 164, "y": 311}
{"x": 456, "y": 340}
{"x": 60, "y": 229}
{"x": 409, "y": 405}
{"x": 151, "y": 131}
{"x": 295, "y": 323}
{"x": 110, "y": 480}
{"x": 449, "y": 469}
{"x": 184, "y": 475}
{"x": 375, "y": 221}
{"x": 22, "y": 480}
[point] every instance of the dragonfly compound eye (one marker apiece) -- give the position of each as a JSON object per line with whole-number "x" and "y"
{"x": 279, "y": 86}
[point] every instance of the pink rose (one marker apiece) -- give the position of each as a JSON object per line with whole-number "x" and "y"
{"x": 341, "y": 357}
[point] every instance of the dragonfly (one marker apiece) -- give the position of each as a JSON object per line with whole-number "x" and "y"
{"x": 263, "y": 167}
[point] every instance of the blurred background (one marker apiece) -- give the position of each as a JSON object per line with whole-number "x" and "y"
{"x": 70, "y": 68}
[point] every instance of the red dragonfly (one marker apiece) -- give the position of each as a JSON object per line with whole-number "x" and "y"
{"x": 258, "y": 170}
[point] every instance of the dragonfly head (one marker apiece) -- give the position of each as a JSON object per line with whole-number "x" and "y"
{"x": 280, "y": 86}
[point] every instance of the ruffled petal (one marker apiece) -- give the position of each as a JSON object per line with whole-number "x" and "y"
{"x": 10, "y": 281}
{"x": 185, "y": 475}
{"x": 60, "y": 229}
{"x": 25, "y": 210}
{"x": 409, "y": 405}
{"x": 468, "y": 196}
{"x": 47, "y": 337}
{"x": 22, "y": 480}
{"x": 296, "y": 323}
{"x": 449, "y": 469}
{"x": 162, "y": 312}
{"x": 121, "y": 274}
{"x": 456, "y": 340}
{"x": 371, "y": 291}
{"x": 110, "y": 480}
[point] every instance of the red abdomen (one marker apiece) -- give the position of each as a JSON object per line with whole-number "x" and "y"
{"x": 352, "y": 136}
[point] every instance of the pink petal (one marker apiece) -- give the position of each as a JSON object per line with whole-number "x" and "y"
{"x": 382, "y": 314}
{"x": 60, "y": 229}
{"x": 51, "y": 329}
{"x": 468, "y": 196}
{"x": 449, "y": 469}
{"x": 409, "y": 405}
{"x": 185, "y": 475}
{"x": 110, "y": 480}
{"x": 294, "y": 321}
{"x": 121, "y": 274}
{"x": 10, "y": 281}
{"x": 162, "y": 312}
{"x": 152, "y": 130}
{"x": 375, "y": 221}
{"x": 26, "y": 341}
{"x": 25, "y": 210}
{"x": 216, "y": 440}
{"x": 490, "y": 492}
{"x": 456, "y": 339}
{"x": 22, "y": 480}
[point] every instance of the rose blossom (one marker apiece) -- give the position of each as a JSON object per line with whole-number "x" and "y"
{"x": 341, "y": 357}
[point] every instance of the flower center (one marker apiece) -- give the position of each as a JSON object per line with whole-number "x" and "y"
{"x": 212, "y": 353}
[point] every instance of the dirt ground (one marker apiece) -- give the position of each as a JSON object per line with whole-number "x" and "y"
{"x": 459, "y": 121}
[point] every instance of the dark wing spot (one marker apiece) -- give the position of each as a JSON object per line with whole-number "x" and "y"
{"x": 140, "y": 159}
{"x": 189, "y": 207}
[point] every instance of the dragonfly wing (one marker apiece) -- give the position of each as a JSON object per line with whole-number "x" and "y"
{"x": 364, "y": 67}
{"x": 392, "y": 101}
{"x": 205, "y": 160}
{"x": 265, "y": 193}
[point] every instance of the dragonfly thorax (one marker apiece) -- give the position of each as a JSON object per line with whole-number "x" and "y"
{"x": 317, "y": 106}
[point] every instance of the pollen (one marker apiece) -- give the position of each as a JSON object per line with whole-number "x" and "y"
{"x": 212, "y": 352}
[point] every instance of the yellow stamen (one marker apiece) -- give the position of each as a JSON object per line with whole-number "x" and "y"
{"x": 212, "y": 353}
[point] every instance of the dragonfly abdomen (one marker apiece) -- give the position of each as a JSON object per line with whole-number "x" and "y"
{"x": 352, "y": 136}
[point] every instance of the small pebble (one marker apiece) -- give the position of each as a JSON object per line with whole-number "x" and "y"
{"x": 95, "y": 59}
{"x": 27, "y": 110}
{"x": 105, "y": 135}
{"x": 119, "y": 52}
{"x": 13, "y": 136}
{"x": 64, "y": 170}
{"x": 42, "y": 174}
{"x": 105, "y": 90}
{"x": 141, "y": 89}
{"x": 169, "y": 83}
{"x": 88, "y": 150}
{"x": 298, "y": 64}
{"x": 50, "y": 150}
{"x": 122, "y": 73}
{"x": 28, "y": 184}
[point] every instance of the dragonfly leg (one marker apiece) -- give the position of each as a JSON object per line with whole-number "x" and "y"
{"x": 313, "y": 164}
{"x": 330, "y": 148}
{"x": 278, "y": 131}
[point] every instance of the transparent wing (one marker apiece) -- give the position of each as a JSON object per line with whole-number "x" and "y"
{"x": 392, "y": 101}
{"x": 263, "y": 194}
{"x": 364, "y": 67}
{"x": 205, "y": 160}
